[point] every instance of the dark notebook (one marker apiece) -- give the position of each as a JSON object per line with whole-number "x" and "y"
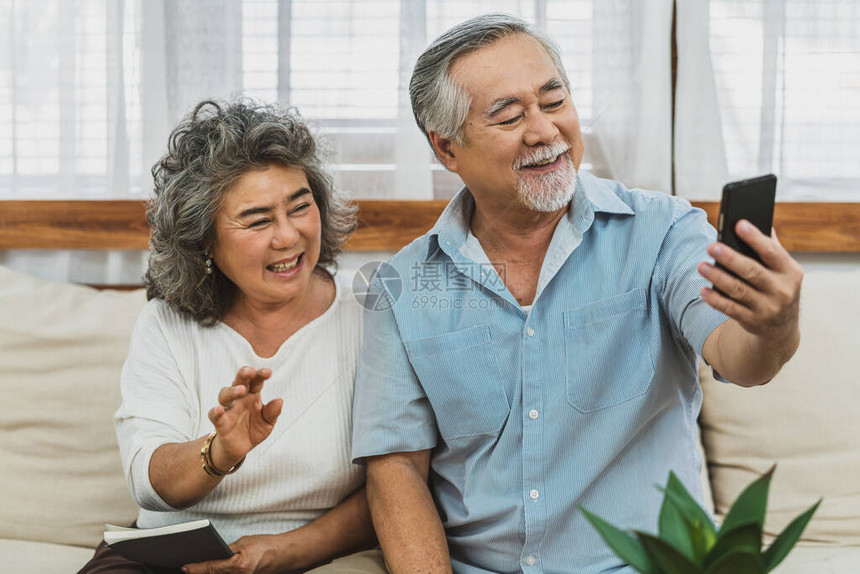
{"x": 168, "y": 547}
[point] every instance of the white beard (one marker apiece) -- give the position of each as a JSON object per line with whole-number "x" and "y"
{"x": 551, "y": 191}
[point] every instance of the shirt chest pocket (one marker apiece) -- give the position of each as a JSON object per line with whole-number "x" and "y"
{"x": 608, "y": 346}
{"x": 460, "y": 375}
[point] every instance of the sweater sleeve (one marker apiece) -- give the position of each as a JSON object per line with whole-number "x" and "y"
{"x": 158, "y": 402}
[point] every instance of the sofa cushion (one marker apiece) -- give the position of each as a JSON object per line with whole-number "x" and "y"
{"x": 820, "y": 560}
{"x": 28, "y": 557}
{"x": 806, "y": 420}
{"x": 62, "y": 348}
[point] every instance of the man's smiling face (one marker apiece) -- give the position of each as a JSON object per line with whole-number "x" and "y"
{"x": 523, "y": 140}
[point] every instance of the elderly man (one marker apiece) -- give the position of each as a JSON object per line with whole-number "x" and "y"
{"x": 542, "y": 354}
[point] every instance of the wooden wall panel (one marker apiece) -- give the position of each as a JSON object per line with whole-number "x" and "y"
{"x": 73, "y": 225}
{"x": 383, "y": 225}
{"x": 810, "y": 227}
{"x": 389, "y": 225}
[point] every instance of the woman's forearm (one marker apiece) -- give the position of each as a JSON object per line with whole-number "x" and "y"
{"x": 344, "y": 529}
{"x": 176, "y": 471}
{"x": 241, "y": 421}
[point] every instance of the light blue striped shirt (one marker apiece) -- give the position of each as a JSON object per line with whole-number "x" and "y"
{"x": 589, "y": 398}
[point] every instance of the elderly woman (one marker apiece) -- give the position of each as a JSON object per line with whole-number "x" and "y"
{"x": 237, "y": 391}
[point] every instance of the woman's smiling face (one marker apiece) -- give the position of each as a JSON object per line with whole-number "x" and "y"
{"x": 267, "y": 235}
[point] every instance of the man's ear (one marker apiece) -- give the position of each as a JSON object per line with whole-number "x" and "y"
{"x": 442, "y": 147}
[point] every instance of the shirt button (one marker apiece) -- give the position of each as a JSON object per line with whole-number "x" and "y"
{"x": 534, "y": 494}
{"x": 530, "y": 560}
{"x": 530, "y": 331}
{"x": 533, "y": 414}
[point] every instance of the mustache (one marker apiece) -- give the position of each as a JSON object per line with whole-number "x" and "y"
{"x": 541, "y": 154}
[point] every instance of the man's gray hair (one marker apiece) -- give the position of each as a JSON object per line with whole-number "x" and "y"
{"x": 438, "y": 103}
{"x": 207, "y": 153}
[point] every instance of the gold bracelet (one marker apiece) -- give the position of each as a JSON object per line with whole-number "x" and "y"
{"x": 206, "y": 459}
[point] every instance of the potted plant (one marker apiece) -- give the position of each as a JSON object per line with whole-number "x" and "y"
{"x": 690, "y": 543}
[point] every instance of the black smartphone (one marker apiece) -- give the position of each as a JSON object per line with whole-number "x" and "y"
{"x": 750, "y": 199}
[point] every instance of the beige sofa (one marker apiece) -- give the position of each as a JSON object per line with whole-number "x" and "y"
{"x": 62, "y": 348}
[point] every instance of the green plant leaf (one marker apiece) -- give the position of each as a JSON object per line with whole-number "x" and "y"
{"x": 625, "y": 546}
{"x": 702, "y": 531}
{"x": 675, "y": 528}
{"x": 738, "y": 562}
{"x": 666, "y": 557}
{"x": 750, "y": 506}
{"x": 746, "y": 537}
{"x": 788, "y": 538}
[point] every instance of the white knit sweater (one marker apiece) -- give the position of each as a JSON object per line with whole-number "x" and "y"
{"x": 171, "y": 379}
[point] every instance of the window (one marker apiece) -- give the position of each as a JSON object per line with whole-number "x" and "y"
{"x": 90, "y": 90}
{"x": 85, "y": 108}
{"x": 787, "y": 76}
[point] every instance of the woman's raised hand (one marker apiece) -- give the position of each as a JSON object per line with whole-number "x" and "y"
{"x": 241, "y": 419}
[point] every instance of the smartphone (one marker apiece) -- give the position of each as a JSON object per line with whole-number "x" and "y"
{"x": 750, "y": 199}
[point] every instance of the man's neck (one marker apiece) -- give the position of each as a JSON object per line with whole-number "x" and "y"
{"x": 515, "y": 231}
{"x": 516, "y": 242}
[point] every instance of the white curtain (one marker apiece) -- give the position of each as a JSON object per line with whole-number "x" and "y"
{"x": 631, "y": 118}
{"x": 769, "y": 86}
{"x": 89, "y": 90}
{"x": 700, "y": 158}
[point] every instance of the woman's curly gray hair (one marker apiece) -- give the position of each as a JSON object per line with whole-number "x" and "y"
{"x": 207, "y": 152}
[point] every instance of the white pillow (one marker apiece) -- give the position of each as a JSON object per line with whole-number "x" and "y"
{"x": 62, "y": 348}
{"x": 807, "y": 420}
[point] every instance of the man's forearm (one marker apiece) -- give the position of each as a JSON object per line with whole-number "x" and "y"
{"x": 763, "y": 301}
{"x": 746, "y": 359}
{"x": 344, "y": 529}
{"x": 407, "y": 524}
